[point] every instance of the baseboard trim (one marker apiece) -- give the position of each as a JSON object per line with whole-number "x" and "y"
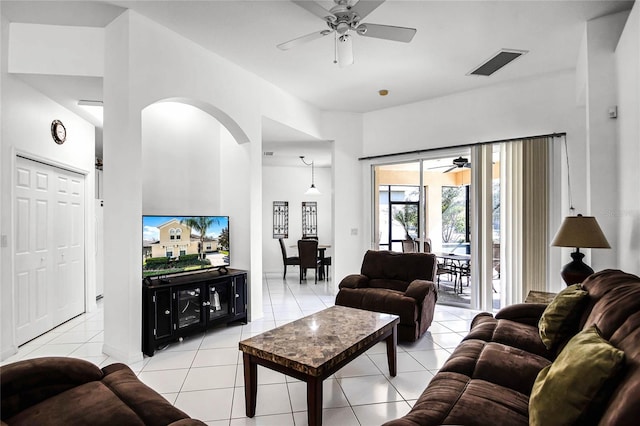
{"x": 121, "y": 356}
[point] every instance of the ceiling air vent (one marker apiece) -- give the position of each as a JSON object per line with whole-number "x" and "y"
{"x": 497, "y": 61}
{"x": 268, "y": 153}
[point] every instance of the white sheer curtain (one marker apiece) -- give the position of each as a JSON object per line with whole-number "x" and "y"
{"x": 524, "y": 218}
{"x": 482, "y": 226}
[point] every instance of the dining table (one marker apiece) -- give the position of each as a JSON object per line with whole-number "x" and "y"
{"x": 458, "y": 261}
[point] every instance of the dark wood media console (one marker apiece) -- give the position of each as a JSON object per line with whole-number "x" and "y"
{"x": 183, "y": 304}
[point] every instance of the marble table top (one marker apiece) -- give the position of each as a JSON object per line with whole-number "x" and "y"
{"x": 317, "y": 342}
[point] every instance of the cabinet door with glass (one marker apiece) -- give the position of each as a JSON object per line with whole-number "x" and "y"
{"x": 218, "y": 303}
{"x": 190, "y": 304}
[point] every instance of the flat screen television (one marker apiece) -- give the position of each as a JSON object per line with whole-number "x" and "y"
{"x": 173, "y": 244}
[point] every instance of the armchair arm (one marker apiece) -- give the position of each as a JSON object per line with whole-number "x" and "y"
{"x": 26, "y": 383}
{"x": 354, "y": 281}
{"x": 525, "y": 313}
{"x": 418, "y": 289}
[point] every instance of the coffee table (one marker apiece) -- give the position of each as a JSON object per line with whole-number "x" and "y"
{"x": 314, "y": 347}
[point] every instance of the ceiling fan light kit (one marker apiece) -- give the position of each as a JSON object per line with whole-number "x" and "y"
{"x": 344, "y": 19}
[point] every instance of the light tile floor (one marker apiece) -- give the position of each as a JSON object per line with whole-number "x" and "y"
{"x": 202, "y": 375}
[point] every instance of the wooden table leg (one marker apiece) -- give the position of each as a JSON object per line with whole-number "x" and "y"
{"x": 392, "y": 342}
{"x": 321, "y": 257}
{"x": 314, "y": 401}
{"x": 250, "y": 384}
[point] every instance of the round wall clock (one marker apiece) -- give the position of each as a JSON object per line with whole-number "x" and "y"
{"x": 58, "y": 132}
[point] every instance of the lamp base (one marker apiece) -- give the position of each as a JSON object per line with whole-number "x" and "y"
{"x": 575, "y": 271}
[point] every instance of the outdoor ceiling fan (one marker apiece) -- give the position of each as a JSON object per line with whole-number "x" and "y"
{"x": 344, "y": 20}
{"x": 459, "y": 163}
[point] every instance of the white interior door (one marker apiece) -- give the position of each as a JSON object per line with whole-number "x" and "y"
{"x": 49, "y": 247}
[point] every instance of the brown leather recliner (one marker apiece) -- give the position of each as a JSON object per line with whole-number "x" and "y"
{"x": 394, "y": 283}
{"x": 71, "y": 391}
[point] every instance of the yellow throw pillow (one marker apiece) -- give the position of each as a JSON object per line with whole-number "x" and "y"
{"x": 560, "y": 319}
{"x": 566, "y": 388}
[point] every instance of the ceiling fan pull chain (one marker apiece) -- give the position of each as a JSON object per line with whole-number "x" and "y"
{"x": 335, "y": 47}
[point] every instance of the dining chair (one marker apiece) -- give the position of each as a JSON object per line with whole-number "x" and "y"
{"x": 408, "y": 246}
{"x": 286, "y": 260}
{"x": 326, "y": 262}
{"x": 308, "y": 253}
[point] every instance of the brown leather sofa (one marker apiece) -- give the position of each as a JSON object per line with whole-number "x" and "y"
{"x": 394, "y": 283}
{"x": 489, "y": 377}
{"x": 70, "y": 391}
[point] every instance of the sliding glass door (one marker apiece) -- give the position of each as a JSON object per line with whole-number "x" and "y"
{"x": 424, "y": 205}
{"x": 483, "y": 210}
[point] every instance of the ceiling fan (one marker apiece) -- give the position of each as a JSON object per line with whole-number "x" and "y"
{"x": 459, "y": 163}
{"x": 344, "y": 20}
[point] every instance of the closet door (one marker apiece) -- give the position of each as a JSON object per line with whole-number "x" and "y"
{"x": 49, "y": 266}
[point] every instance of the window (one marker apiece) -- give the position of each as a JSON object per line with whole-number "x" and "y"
{"x": 455, "y": 219}
{"x": 178, "y": 233}
{"x": 309, "y": 219}
{"x": 399, "y": 215}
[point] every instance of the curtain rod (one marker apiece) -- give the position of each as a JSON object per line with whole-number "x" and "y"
{"x": 420, "y": 151}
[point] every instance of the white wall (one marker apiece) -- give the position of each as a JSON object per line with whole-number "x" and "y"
{"x": 627, "y": 60}
{"x": 26, "y": 130}
{"x": 57, "y": 50}
{"x": 602, "y": 144}
{"x": 289, "y": 184}
{"x": 529, "y": 107}
{"x": 349, "y": 207}
{"x": 180, "y": 161}
{"x": 137, "y": 74}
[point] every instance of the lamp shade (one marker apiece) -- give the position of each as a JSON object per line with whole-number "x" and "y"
{"x": 312, "y": 190}
{"x": 580, "y": 232}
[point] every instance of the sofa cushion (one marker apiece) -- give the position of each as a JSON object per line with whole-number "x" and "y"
{"x": 92, "y": 404}
{"x": 564, "y": 390}
{"x": 398, "y": 266}
{"x": 507, "y": 332}
{"x": 456, "y": 399}
{"x": 380, "y": 300}
{"x": 30, "y": 381}
{"x": 139, "y": 397}
{"x": 561, "y": 318}
{"x": 486, "y": 361}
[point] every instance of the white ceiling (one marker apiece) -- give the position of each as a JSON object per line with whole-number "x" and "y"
{"x": 453, "y": 37}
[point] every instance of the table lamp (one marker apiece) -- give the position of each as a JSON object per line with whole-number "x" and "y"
{"x": 579, "y": 232}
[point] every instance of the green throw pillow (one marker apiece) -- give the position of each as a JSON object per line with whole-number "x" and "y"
{"x": 560, "y": 319}
{"x": 565, "y": 389}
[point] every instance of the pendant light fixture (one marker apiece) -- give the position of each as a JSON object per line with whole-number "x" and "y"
{"x": 312, "y": 189}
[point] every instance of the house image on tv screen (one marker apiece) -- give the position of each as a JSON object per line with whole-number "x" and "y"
{"x": 176, "y": 240}
{"x": 184, "y": 243}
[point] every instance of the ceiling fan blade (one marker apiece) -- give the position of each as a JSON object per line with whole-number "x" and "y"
{"x": 315, "y": 8}
{"x": 450, "y": 168}
{"x": 365, "y": 7}
{"x": 387, "y": 32}
{"x": 304, "y": 39}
